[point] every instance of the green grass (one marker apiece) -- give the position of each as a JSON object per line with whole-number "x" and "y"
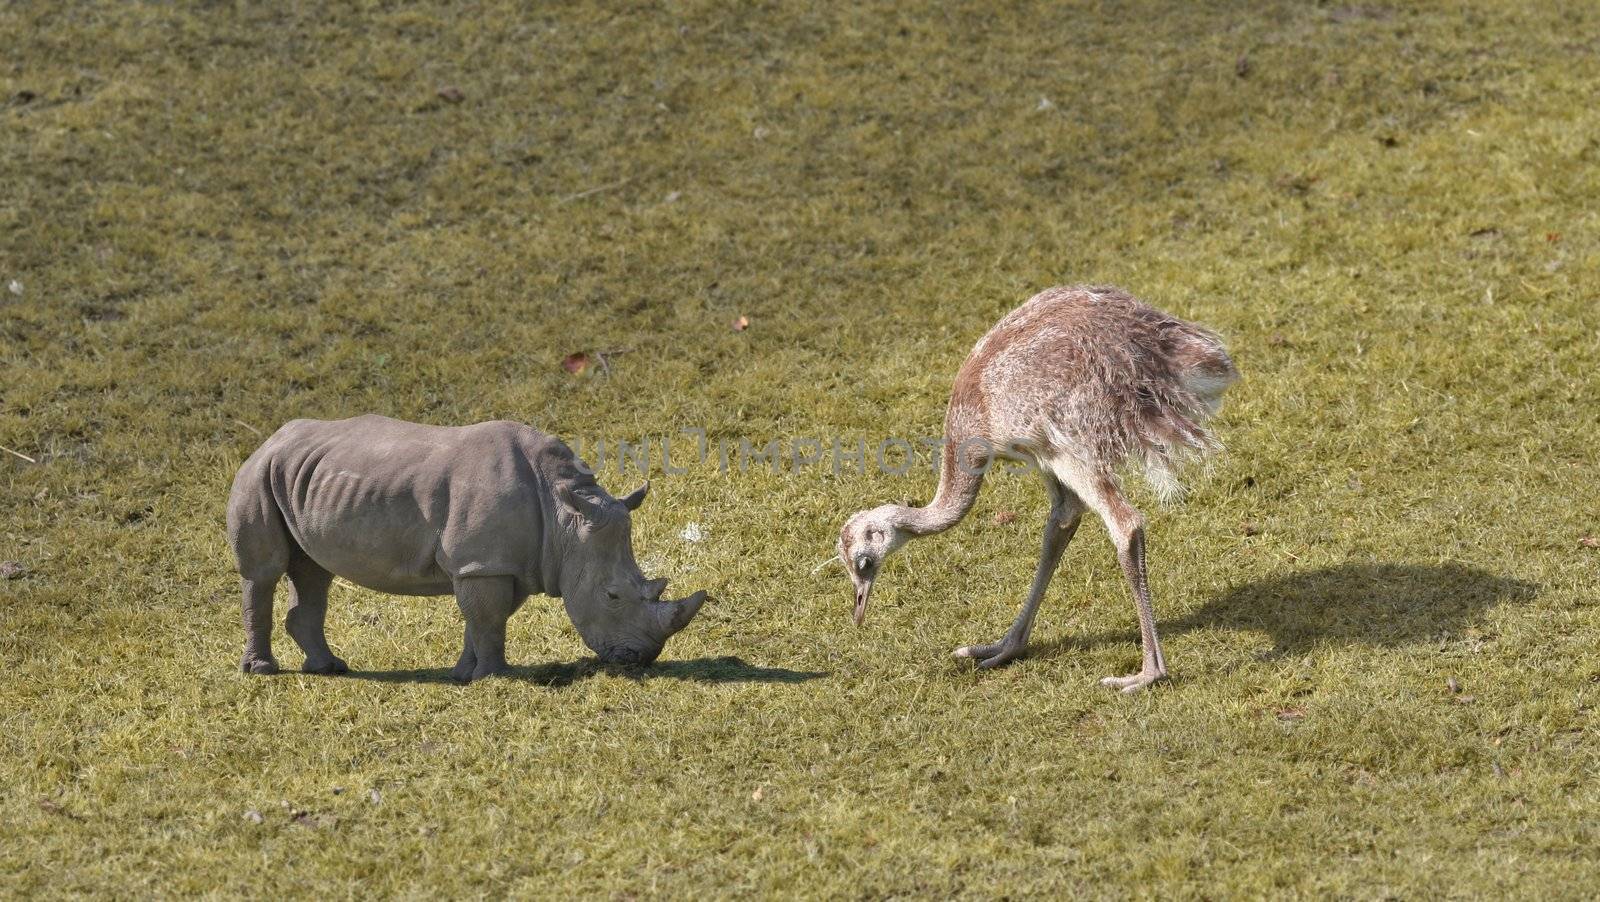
{"x": 222, "y": 218}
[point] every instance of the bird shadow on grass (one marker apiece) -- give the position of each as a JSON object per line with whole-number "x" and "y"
{"x": 1367, "y": 603}
{"x": 558, "y": 676}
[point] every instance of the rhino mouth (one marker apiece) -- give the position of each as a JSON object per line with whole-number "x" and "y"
{"x": 629, "y": 656}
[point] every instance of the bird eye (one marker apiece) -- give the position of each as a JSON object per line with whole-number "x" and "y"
{"x": 863, "y": 563}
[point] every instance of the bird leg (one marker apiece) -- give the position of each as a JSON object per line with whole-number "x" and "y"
{"x": 1130, "y": 552}
{"x": 1065, "y": 516}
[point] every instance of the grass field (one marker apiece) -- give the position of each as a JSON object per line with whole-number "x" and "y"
{"x": 1379, "y": 606}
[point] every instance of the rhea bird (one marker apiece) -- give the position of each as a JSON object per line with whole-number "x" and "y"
{"x": 1076, "y": 382}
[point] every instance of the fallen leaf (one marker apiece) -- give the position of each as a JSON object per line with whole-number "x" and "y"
{"x": 741, "y": 324}
{"x": 1291, "y": 714}
{"x": 575, "y": 363}
{"x": 1249, "y": 529}
{"x": 1552, "y": 237}
{"x": 451, "y": 94}
{"x": 14, "y": 287}
{"x": 758, "y": 795}
{"x": 12, "y": 570}
{"x": 1001, "y": 518}
{"x": 1586, "y": 541}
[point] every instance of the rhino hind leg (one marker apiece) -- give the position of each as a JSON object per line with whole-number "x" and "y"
{"x": 468, "y": 662}
{"x": 487, "y": 602}
{"x": 308, "y": 610}
{"x": 258, "y": 625}
{"x": 261, "y": 546}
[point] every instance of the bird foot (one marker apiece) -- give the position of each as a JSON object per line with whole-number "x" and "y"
{"x": 1134, "y": 682}
{"x": 993, "y": 655}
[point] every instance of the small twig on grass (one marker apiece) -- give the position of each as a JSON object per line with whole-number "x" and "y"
{"x": 18, "y": 454}
{"x": 605, "y": 365}
{"x": 592, "y": 191}
{"x": 55, "y": 807}
{"x": 248, "y": 426}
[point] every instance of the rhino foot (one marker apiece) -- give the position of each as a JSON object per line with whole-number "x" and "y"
{"x": 482, "y": 672}
{"x": 330, "y": 664}
{"x": 468, "y": 662}
{"x": 263, "y": 666}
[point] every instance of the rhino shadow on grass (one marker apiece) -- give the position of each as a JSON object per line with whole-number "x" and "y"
{"x": 559, "y": 676}
{"x": 1356, "y": 603}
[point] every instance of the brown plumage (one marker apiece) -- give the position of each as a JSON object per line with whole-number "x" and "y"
{"x": 1076, "y": 382}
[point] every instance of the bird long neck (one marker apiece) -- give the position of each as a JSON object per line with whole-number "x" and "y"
{"x": 958, "y": 488}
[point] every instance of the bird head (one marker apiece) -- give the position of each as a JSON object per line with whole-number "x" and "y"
{"x": 865, "y": 542}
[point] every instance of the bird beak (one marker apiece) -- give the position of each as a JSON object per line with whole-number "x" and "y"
{"x": 863, "y": 590}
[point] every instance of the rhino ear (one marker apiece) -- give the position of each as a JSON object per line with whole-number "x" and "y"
{"x": 636, "y": 498}
{"x": 584, "y": 504}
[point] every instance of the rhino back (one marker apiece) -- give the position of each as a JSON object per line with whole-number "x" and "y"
{"x": 405, "y": 508}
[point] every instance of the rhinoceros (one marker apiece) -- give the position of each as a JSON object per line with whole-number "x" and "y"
{"x": 491, "y": 513}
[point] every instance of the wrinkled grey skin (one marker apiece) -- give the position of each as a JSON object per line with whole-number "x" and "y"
{"x": 492, "y": 513}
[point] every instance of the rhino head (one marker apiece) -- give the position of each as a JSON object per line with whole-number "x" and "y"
{"x": 618, "y": 613}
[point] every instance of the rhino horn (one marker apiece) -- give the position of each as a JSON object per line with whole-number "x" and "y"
{"x": 675, "y": 615}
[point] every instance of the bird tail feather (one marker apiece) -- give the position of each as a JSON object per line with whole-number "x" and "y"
{"x": 1174, "y": 429}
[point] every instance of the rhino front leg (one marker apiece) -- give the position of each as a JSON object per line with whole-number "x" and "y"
{"x": 487, "y": 602}
{"x": 308, "y": 610}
